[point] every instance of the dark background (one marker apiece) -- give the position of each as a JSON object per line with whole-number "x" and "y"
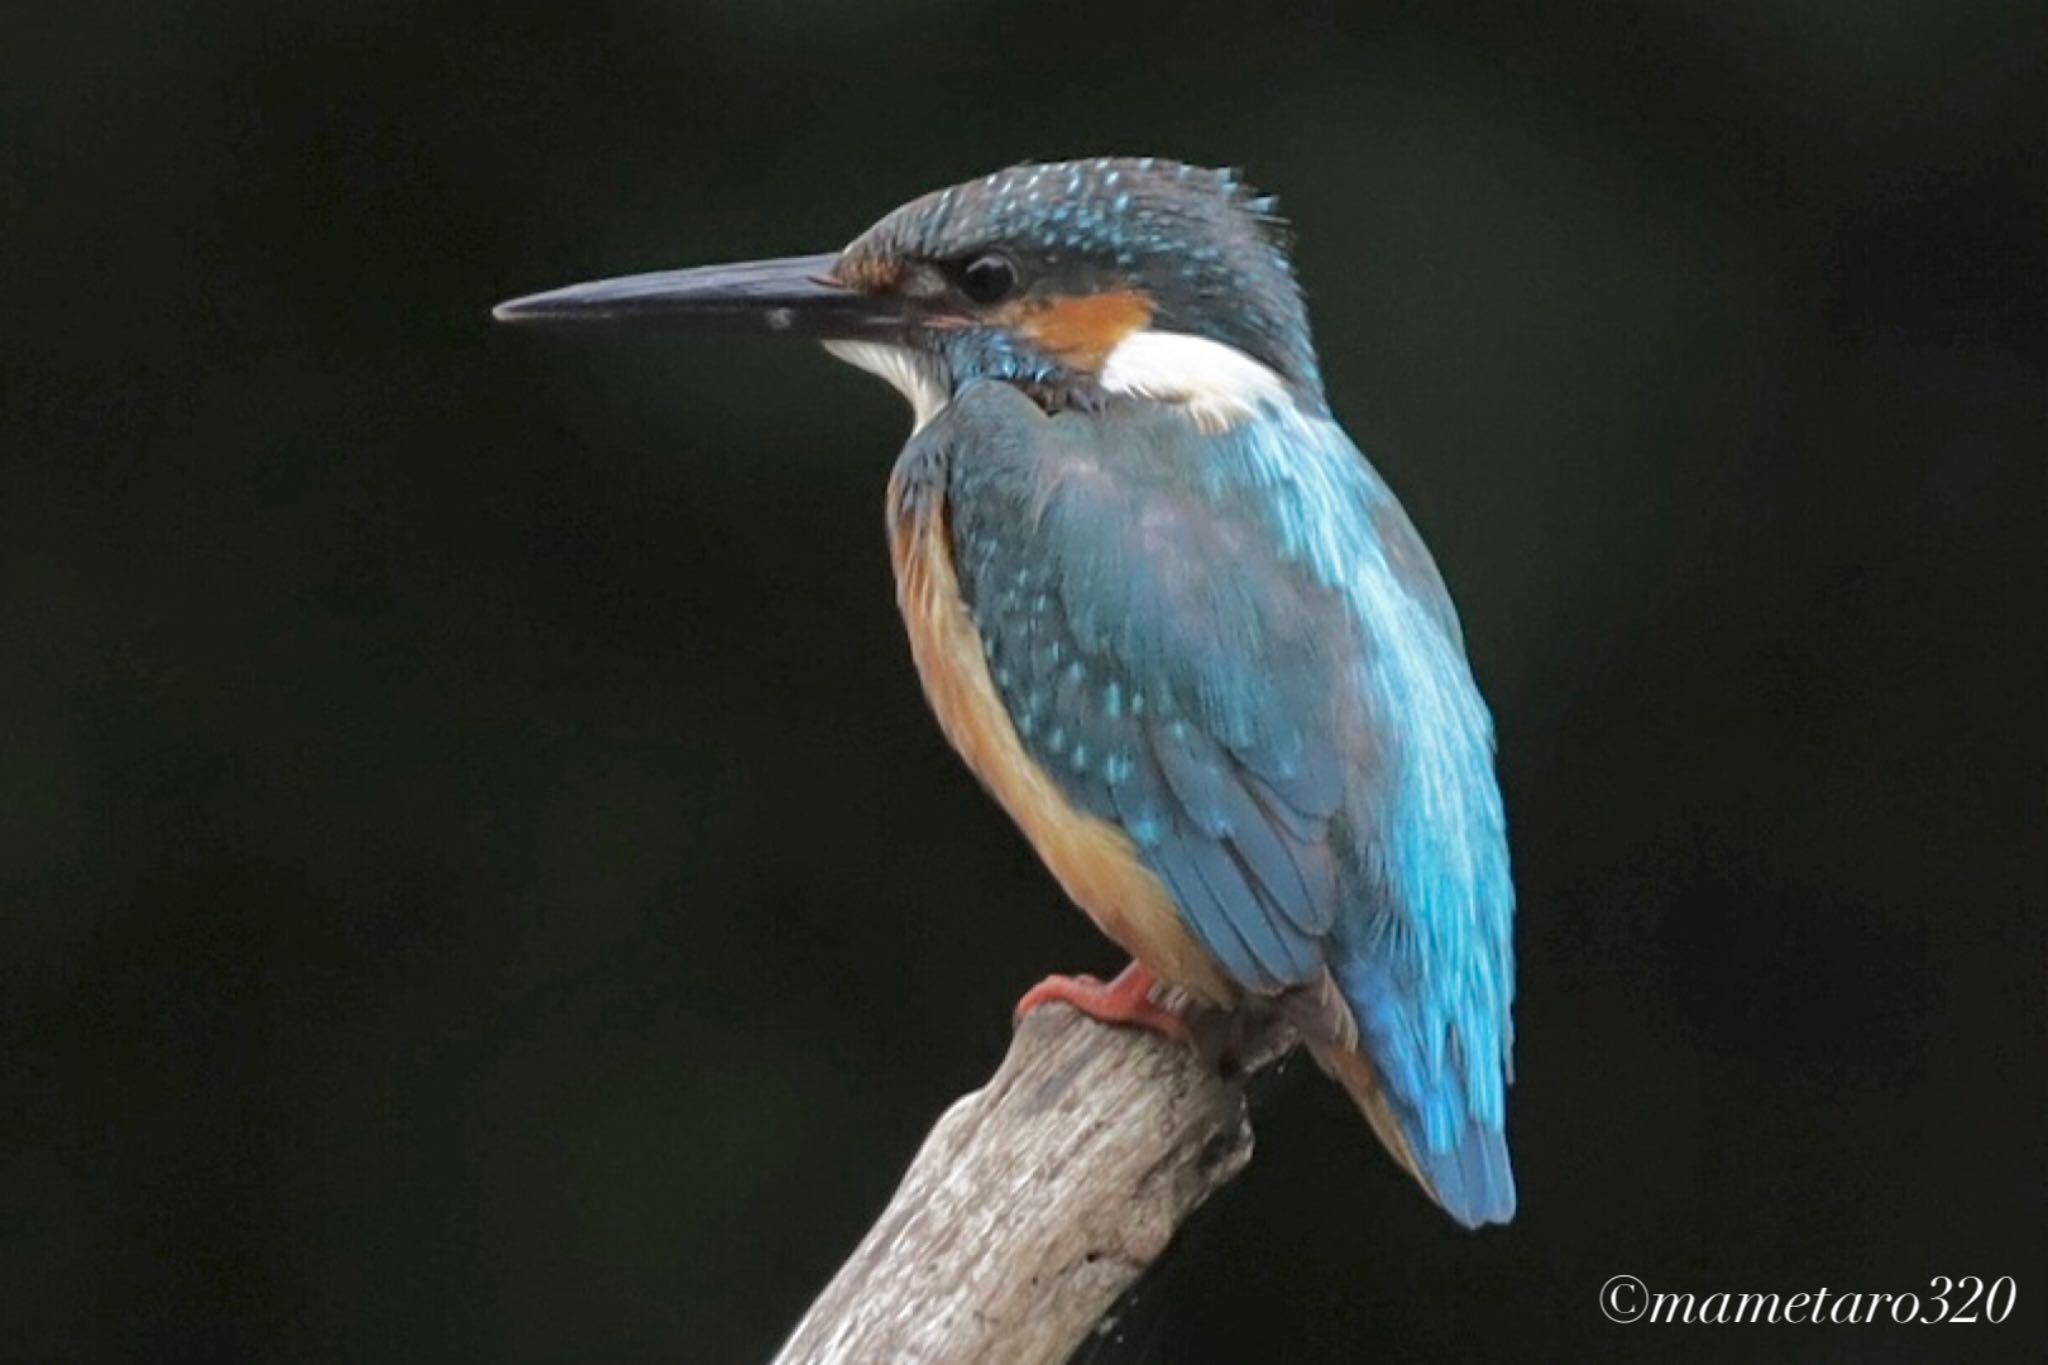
{"x": 479, "y": 879}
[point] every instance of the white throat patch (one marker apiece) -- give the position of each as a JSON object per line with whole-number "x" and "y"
{"x": 911, "y": 374}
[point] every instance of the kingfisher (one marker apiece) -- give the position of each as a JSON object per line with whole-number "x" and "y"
{"x": 1175, "y": 622}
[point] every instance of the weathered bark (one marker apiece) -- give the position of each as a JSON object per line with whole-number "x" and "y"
{"x": 1041, "y": 1197}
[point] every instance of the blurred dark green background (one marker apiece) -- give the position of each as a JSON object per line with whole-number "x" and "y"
{"x": 479, "y": 880}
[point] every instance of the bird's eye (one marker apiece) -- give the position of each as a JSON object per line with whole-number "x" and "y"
{"x": 987, "y": 279}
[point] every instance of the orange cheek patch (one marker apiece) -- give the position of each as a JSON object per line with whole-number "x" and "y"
{"x": 1083, "y": 330}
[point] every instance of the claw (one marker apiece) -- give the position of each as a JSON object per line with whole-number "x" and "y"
{"x": 1126, "y": 1001}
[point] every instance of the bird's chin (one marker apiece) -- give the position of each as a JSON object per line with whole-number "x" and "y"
{"x": 918, "y": 375}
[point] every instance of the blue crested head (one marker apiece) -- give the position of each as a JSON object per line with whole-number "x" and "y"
{"x": 1072, "y": 281}
{"x": 1036, "y": 274}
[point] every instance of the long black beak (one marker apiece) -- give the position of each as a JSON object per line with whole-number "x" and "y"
{"x": 796, "y": 294}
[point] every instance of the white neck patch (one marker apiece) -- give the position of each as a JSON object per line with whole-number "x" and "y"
{"x": 911, "y": 374}
{"x": 1219, "y": 385}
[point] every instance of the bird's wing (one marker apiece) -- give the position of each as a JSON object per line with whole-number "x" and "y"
{"x": 1163, "y": 663}
{"x": 1232, "y": 646}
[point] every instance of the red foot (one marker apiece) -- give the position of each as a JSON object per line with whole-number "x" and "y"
{"x": 1126, "y": 1000}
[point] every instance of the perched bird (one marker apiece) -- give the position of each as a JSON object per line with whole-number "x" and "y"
{"x": 1175, "y": 622}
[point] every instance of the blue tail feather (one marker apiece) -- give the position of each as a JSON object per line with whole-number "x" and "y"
{"x": 1459, "y": 1148}
{"x": 1473, "y": 1180}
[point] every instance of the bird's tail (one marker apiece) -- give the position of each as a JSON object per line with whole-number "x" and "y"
{"x": 1472, "y": 1179}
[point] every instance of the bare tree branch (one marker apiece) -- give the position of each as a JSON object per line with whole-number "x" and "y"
{"x": 1041, "y": 1197}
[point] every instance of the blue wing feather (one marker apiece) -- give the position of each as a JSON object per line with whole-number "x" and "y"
{"x": 1140, "y": 668}
{"x": 1235, "y": 646}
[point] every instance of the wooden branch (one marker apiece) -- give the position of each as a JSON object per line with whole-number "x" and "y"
{"x": 1040, "y": 1198}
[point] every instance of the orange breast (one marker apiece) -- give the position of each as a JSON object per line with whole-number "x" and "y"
{"x": 1095, "y": 862}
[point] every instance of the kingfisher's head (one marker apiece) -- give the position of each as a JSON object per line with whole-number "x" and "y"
{"x": 1074, "y": 281}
